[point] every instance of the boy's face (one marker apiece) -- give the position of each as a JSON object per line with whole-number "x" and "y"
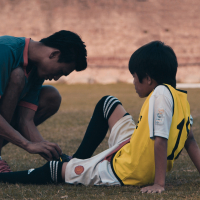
{"x": 145, "y": 88}
{"x": 50, "y": 68}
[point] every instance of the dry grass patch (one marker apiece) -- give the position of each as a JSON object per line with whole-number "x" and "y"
{"x": 67, "y": 128}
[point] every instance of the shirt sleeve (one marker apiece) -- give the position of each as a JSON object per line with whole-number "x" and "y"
{"x": 6, "y": 64}
{"x": 31, "y": 99}
{"x": 160, "y": 114}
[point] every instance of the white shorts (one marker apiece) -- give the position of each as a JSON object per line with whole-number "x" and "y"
{"x": 96, "y": 170}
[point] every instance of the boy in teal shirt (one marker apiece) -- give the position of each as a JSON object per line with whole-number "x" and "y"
{"x": 24, "y": 102}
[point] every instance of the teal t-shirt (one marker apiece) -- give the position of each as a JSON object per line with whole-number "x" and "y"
{"x": 12, "y": 53}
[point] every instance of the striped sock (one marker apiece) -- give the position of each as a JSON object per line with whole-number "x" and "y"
{"x": 109, "y": 106}
{"x": 48, "y": 173}
{"x": 55, "y": 170}
{"x": 97, "y": 128}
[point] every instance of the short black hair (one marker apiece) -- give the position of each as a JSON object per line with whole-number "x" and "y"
{"x": 156, "y": 60}
{"x": 71, "y": 46}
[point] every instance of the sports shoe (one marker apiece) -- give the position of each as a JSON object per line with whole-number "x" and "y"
{"x": 4, "y": 166}
{"x": 65, "y": 158}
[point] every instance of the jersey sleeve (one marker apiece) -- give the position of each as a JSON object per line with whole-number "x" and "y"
{"x": 6, "y": 64}
{"x": 31, "y": 99}
{"x": 160, "y": 114}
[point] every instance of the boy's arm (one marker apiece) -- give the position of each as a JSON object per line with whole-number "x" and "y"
{"x": 193, "y": 150}
{"x": 28, "y": 129}
{"x": 160, "y": 152}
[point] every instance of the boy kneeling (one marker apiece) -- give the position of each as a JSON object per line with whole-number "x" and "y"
{"x": 137, "y": 155}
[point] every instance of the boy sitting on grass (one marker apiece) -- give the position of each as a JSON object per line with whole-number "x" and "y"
{"x": 137, "y": 155}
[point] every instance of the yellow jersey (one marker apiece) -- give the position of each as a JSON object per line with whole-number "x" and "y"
{"x": 134, "y": 163}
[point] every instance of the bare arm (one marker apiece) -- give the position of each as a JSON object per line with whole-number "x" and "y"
{"x": 160, "y": 151}
{"x": 47, "y": 149}
{"x": 28, "y": 129}
{"x": 8, "y": 104}
{"x": 9, "y": 133}
{"x": 26, "y": 125}
{"x": 193, "y": 150}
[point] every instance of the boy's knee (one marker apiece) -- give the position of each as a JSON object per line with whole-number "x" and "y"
{"x": 54, "y": 100}
{"x": 107, "y": 104}
{"x": 50, "y": 97}
{"x": 103, "y": 99}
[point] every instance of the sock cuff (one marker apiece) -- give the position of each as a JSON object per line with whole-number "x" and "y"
{"x": 109, "y": 106}
{"x": 55, "y": 170}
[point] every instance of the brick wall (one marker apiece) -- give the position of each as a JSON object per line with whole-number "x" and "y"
{"x": 111, "y": 29}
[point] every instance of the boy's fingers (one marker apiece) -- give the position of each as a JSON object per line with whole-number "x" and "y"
{"x": 144, "y": 190}
{"x": 57, "y": 148}
{"x": 54, "y": 150}
{"x": 150, "y": 189}
{"x": 45, "y": 156}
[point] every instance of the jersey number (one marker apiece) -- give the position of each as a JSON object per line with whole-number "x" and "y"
{"x": 140, "y": 118}
{"x": 180, "y": 128}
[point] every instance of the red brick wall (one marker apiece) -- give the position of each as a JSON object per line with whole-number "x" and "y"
{"x": 111, "y": 29}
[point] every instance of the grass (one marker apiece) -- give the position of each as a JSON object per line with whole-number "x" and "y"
{"x": 67, "y": 128}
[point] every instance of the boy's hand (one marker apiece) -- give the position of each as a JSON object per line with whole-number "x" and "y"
{"x": 153, "y": 189}
{"x": 48, "y": 150}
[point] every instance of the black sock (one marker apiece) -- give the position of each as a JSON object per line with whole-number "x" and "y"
{"x": 48, "y": 173}
{"x": 97, "y": 128}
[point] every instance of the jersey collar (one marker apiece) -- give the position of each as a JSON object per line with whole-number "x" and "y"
{"x": 25, "y": 56}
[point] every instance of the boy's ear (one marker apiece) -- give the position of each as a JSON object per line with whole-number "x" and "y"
{"x": 149, "y": 79}
{"x": 54, "y": 54}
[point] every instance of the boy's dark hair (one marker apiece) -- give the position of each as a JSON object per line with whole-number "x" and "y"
{"x": 71, "y": 46}
{"x": 156, "y": 60}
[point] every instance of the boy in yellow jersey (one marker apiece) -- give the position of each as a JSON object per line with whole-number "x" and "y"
{"x": 137, "y": 154}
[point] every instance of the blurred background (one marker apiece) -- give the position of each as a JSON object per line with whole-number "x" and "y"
{"x": 112, "y": 30}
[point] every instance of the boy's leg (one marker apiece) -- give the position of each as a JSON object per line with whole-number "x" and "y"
{"x": 8, "y": 104}
{"x": 107, "y": 112}
{"x": 49, "y": 103}
{"x": 117, "y": 114}
{"x": 10, "y": 97}
{"x": 49, "y": 173}
{"x": 97, "y": 170}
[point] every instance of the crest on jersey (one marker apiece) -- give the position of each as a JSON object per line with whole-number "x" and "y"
{"x": 160, "y": 116}
{"x": 79, "y": 169}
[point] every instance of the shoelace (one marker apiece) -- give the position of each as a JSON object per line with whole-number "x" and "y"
{"x": 65, "y": 158}
{"x": 4, "y": 167}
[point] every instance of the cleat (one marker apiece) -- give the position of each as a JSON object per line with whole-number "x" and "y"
{"x": 4, "y": 167}
{"x": 65, "y": 158}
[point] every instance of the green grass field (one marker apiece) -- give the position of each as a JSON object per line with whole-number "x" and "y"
{"x": 67, "y": 128}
